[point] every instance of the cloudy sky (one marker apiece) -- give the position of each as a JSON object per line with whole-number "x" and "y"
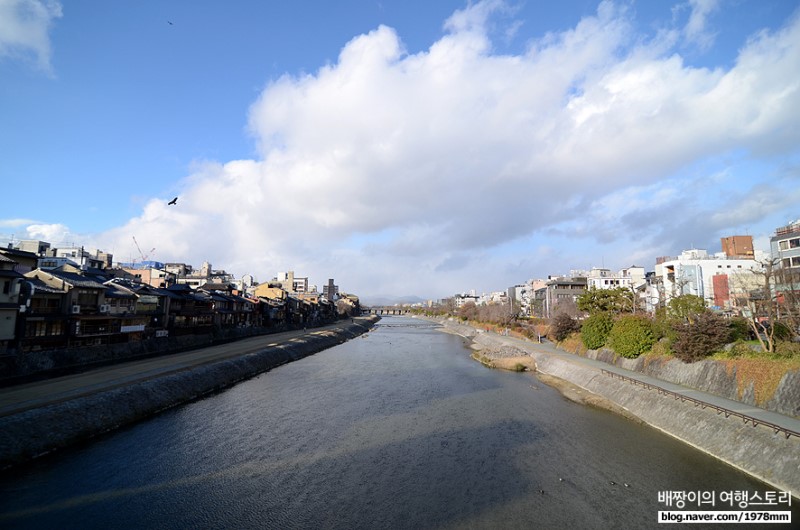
{"x": 402, "y": 147}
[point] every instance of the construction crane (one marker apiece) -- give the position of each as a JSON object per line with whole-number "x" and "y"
{"x": 142, "y": 254}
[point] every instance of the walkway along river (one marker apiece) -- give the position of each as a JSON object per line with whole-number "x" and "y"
{"x": 397, "y": 429}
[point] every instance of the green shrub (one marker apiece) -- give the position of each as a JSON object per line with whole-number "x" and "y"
{"x": 740, "y": 329}
{"x": 707, "y": 334}
{"x": 595, "y": 330}
{"x": 631, "y": 336}
{"x": 562, "y": 326}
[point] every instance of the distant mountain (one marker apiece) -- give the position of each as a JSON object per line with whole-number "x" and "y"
{"x": 380, "y": 300}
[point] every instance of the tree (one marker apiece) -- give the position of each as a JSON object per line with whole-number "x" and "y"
{"x": 595, "y": 330}
{"x": 686, "y": 307}
{"x": 774, "y": 305}
{"x": 616, "y": 301}
{"x": 562, "y": 326}
{"x": 631, "y": 336}
{"x": 700, "y": 338}
{"x": 468, "y": 311}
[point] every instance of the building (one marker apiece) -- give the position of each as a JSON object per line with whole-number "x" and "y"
{"x": 292, "y": 283}
{"x": 561, "y": 294}
{"x": 738, "y": 247}
{"x": 631, "y": 278}
{"x": 10, "y": 283}
{"x": 785, "y": 246}
{"x": 24, "y": 261}
{"x": 695, "y": 272}
{"x": 330, "y": 291}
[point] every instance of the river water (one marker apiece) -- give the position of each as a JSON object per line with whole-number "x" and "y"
{"x": 396, "y": 429}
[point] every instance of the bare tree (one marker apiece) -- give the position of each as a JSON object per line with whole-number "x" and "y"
{"x": 776, "y": 302}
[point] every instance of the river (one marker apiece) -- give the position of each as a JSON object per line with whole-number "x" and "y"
{"x": 395, "y": 429}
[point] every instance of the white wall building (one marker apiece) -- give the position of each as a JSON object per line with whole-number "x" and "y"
{"x": 630, "y": 278}
{"x": 694, "y": 270}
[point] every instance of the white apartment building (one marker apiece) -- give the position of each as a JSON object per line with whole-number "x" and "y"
{"x": 630, "y": 278}
{"x": 698, "y": 273}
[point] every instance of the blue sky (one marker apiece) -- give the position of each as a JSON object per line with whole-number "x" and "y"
{"x": 400, "y": 147}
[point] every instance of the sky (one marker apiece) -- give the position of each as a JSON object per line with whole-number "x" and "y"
{"x": 399, "y": 147}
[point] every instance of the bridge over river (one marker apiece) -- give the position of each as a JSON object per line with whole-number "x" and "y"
{"x": 385, "y": 310}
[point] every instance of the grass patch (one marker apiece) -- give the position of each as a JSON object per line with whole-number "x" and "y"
{"x": 765, "y": 374}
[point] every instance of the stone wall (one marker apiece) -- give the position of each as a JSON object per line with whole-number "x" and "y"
{"x": 710, "y": 376}
{"x": 54, "y": 362}
{"x": 34, "y": 432}
{"x": 758, "y": 451}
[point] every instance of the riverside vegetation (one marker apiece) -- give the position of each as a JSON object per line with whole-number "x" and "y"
{"x": 759, "y": 352}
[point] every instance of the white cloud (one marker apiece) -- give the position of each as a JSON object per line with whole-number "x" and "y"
{"x": 24, "y": 28}
{"x": 56, "y": 233}
{"x": 696, "y": 29}
{"x": 388, "y": 170}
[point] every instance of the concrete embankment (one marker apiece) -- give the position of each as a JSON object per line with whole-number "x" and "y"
{"x": 758, "y": 451}
{"x": 29, "y": 433}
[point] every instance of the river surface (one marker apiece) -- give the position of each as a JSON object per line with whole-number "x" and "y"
{"x": 395, "y": 429}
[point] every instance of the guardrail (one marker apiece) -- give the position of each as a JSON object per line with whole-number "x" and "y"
{"x": 702, "y": 404}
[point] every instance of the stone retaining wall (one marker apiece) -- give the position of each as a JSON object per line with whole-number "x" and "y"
{"x": 56, "y": 362}
{"x": 29, "y": 434}
{"x": 712, "y": 377}
{"x": 758, "y": 451}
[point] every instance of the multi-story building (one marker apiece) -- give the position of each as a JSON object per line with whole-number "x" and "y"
{"x": 785, "y": 246}
{"x": 697, "y": 273}
{"x": 561, "y": 294}
{"x": 10, "y": 281}
{"x": 630, "y": 278}
{"x": 738, "y": 247}
{"x": 330, "y": 291}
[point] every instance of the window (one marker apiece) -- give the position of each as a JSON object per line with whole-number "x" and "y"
{"x": 794, "y": 243}
{"x": 784, "y": 245}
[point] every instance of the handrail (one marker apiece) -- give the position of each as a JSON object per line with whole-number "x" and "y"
{"x": 703, "y": 404}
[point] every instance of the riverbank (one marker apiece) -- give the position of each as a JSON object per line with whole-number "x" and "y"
{"x": 117, "y": 396}
{"x": 755, "y": 449}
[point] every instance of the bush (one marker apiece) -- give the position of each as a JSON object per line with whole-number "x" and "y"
{"x": 562, "y": 326}
{"x": 631, "y": 336}
{"x": 740, "y": 329}
{"x": 595, "y": 330}
{"x": 706, "y": 335}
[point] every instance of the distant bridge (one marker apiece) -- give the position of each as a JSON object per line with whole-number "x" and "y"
{"x": 385, "y": 310}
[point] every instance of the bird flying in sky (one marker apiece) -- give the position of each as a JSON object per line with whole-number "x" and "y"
{"x": 173, "y": 201}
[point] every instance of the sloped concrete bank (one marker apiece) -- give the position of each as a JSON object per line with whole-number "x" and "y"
{"x": 32, "y": 433}
{"x": 713, "y": 377}
{"x": 758, "y": 451}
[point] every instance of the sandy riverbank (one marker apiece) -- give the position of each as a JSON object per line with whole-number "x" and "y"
{"x": 504, "y": 357}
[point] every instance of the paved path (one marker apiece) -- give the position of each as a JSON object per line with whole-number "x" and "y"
{"x": 23, "y": 397}
{"x": 759, "y": 414}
